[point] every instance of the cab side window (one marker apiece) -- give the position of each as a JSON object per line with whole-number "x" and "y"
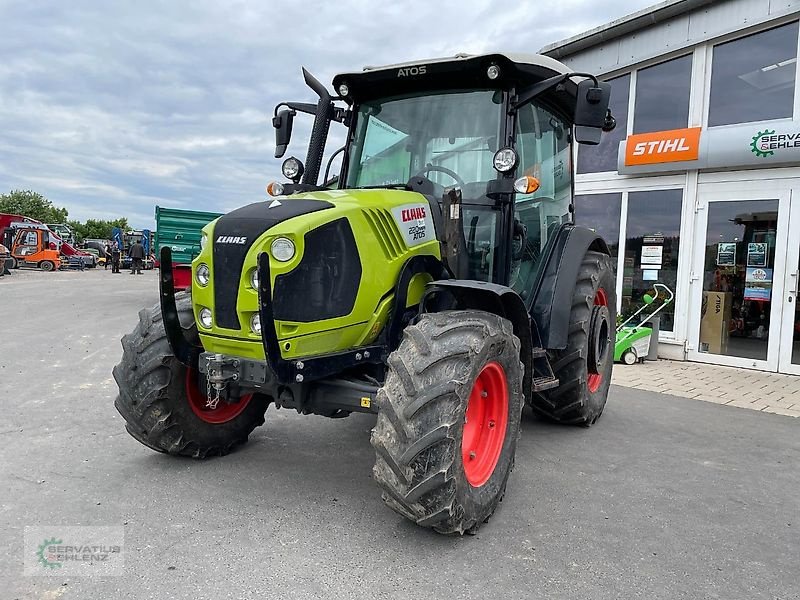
{"x": 543, "y": 145}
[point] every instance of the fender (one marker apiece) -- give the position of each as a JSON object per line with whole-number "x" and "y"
{"x": 552, "y": 302}
{"x": 490, "y": 297}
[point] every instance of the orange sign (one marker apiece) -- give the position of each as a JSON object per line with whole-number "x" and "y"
{"x": 675, "y": 145}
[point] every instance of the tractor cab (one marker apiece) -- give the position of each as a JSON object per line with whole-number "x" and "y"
{"x": 486, "y": 139}
{"x": 30, "y": 247}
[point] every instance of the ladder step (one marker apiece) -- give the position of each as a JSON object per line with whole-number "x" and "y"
{"x": 539, "y": 352}
{"x": 541, "y": 384}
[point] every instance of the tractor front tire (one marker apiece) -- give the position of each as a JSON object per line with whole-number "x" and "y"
{"x": 160, "y": 400}
{"x": 449, "y": 419}
{"x": 47, "y": 266}
{"x": 584, "y": 367}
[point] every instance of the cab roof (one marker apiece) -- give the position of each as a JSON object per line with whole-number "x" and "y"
{"x": 462, "y": 71}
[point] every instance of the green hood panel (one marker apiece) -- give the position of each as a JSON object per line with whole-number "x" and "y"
{"x": 389, "y": 227}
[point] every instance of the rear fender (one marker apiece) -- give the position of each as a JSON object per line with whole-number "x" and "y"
{"x": 552, "y": 301}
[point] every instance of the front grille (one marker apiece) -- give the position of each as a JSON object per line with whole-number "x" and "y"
{"x": 325, "y": 283}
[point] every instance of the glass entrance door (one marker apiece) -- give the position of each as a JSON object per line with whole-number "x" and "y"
{"x": 789, "y": 361}
{"x": 737, "y": 274}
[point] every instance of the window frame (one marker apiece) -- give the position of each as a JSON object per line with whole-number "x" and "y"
{"x": 659, "y": 62}
{"x": 708, "y": 51}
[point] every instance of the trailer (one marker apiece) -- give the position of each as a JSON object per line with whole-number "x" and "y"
{"x": 181, "y": 231}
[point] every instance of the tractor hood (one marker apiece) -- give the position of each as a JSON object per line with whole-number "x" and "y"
{"x": 397, "y": 220}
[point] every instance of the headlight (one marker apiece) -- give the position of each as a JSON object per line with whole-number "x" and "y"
{"x": 254, "y": 278}
{"x": 343, "y": 90}
{"x": 255, "y": 323}
{"x": 505, "y": 159}
{"x": 292, "y": 168}
{"x": 203, "y": 241}
{"x": 205, "y": 317}
{"x": 203, "y": 274}
{"x": 282, "y": 249}
{"x": 493, "y": 72}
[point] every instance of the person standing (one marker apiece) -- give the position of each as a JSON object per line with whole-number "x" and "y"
{"x": 107, "y": 256}
{"x": 116, "y": 255}
{"x": 136, "y": 254}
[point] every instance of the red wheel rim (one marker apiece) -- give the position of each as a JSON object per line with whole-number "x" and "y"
{"x": 485, "y": 424}
{"x": 224, "y": 412}
{"x": 594, "y": 380}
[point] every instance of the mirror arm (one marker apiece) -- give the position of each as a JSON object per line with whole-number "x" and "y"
{"x": 304, "y": 107}
{"x": 531, "y": 92}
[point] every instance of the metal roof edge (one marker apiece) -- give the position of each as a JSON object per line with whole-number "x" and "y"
{"x": 646, "y": 17}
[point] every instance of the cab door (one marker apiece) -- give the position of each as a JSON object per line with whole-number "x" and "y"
{"x": 26, "y": 244}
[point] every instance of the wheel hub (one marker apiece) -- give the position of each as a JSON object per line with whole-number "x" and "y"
{"x": 212, "y": 410}
{"x": 599, "y": 340}
{"x": 485, "y": 424}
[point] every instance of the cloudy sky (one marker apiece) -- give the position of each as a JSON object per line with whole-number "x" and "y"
{"x": 109, "y": 108}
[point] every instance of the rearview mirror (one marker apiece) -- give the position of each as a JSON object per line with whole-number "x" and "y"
{"x": 282, "y": 122}
{"x": 591, "y": 108}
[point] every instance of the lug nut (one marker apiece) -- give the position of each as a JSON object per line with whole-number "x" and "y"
{"x": 299, "y": 365}
{"x": 298, "y": 378}
{"x": 491, "y": 424}
{"x": 358, "y": 355}
{"x": 366, "y": 353}
{"x": 484, "y": 394}
{"x": 472, "y": 455}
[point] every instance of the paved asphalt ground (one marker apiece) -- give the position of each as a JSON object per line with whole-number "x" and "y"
{"x": 664, "y": 498}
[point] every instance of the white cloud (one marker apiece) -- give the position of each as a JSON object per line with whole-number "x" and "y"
{"x": 111, "y": 108}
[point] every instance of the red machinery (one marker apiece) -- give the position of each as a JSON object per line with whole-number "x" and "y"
{"x": 56, "y": 243}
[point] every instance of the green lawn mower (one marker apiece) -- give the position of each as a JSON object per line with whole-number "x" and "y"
{"x": 437, "y": 281}
{"x": 633, "y": 341}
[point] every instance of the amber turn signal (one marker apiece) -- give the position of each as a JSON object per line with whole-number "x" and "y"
{"x": 526, "y": 184}
{"x": 275, "y": 188}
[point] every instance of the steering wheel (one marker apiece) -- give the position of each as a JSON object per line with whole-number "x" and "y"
{"x": 428, "y": 168}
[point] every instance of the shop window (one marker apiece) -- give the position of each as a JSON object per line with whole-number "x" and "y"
{"x": 601, "y": 213}
{"x": 662, "y": 96}
{"x": 752, "y": 78}
{"x": 653, "y": 231}
{"x": 603, "y": 157}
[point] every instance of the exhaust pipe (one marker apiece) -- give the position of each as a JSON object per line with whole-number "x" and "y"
{"x": 319, "y": 132}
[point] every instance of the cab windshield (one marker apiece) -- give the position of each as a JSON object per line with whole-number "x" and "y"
{"x": 397, "y": 138}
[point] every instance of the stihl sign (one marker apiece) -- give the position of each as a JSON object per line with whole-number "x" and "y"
{"x": 675, "y": 145}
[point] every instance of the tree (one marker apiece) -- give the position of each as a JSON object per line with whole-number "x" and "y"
{"x": 97, "y": 228}
{"x": 33, "y": 205}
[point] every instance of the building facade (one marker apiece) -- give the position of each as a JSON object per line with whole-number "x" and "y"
{"x": 698, "y": 187}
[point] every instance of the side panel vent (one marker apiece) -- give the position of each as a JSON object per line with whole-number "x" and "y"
{"x": 385, "y": 230}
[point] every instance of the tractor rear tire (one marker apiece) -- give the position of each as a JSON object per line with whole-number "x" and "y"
{"x": 584, "y": 367}
{"x": 160, "y": 400}
{"x": 433, "y": 466}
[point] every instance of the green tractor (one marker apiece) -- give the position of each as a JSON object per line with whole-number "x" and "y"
{"x": 438, "y": 282}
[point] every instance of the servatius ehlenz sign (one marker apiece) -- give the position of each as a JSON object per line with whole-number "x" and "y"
{"x": 750, "y": 145}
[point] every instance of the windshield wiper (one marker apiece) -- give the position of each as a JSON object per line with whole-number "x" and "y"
{"x": 387, "y": 186}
